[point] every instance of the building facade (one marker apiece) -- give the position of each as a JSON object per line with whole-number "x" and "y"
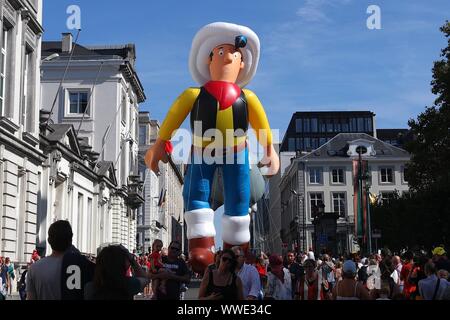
{"x": 74, "y": 187}
{"x": 162, "y": 216}
{"x": 325, "y": 177}
{"x": 310, "y": 130}
{"x": 20, "y": 157}
{"x": 100, "y": 96}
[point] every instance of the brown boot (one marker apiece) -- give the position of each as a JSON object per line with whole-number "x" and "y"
{"x": 201, "y": 253}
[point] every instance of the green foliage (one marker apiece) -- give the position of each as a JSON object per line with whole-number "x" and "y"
{"x": 422, "y": 218}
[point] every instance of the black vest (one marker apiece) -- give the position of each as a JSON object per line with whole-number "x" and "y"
{"x": 206, "y": 107}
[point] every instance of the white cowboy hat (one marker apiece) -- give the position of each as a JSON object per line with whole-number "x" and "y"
{"x": 217, "y": 33}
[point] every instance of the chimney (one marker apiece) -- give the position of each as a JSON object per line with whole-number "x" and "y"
{"x": 66, "y": 44}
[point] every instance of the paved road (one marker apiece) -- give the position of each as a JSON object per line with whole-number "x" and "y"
{"x": 192, "y": 293}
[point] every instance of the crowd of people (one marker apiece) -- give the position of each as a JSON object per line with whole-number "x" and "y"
{"x": 164, "y": 274}
{"x": 304, "y": 276}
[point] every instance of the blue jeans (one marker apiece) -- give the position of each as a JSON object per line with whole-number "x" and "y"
{"x": 236, "y": 183}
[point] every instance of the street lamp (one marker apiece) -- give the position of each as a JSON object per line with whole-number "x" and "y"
{"x": 301, "y": 202}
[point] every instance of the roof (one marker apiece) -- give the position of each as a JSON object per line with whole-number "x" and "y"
{"x": 338, "y": 147}
{"x": 126, "y": 52}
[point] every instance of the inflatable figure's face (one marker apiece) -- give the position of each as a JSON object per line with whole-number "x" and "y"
{"x": 225, "y": 63}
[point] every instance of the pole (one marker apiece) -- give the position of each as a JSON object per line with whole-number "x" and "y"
{"x": 369, "y": 228}
{"x": 304, "y": 226}
{"x": 360, "y": 204}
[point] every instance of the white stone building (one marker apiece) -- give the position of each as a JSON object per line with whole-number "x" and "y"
{"x": 100, "y": 97}
{"x": 162, "y": 215}
{"x": 325, "y": 176}
{"x": 73, "y": 188}
{"x": 20, "y": 157}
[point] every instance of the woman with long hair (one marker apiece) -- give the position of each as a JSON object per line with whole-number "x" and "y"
{"x": 313, "y": 286}
{"x": 222, "y": 283}
{"x": 111, "y": 281}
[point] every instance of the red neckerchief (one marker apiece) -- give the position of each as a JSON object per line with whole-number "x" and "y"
{"x": 225, "y": 93}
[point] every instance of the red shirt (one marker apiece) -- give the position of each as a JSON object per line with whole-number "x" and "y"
{"x": 408, "y": 286}
{"x": 155, "y": 259}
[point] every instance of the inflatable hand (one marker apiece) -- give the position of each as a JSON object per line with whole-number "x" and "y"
{"x": 158, "y": 152}
{"x": 270, "y": 160}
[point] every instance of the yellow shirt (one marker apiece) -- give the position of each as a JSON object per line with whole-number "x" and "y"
{"x": 185, "y": 102}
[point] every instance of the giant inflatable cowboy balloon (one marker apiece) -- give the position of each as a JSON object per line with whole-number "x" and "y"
{"x": 223, "y": 59}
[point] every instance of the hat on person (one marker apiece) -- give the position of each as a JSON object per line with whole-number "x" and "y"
{"x": 217, "y": 33}
{"x": 349, "y": 267}
{"x": 438, "y": 251}
{"x": 311, "y": 255}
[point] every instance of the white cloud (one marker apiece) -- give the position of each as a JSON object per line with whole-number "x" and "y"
{"x": 314, "y": 10}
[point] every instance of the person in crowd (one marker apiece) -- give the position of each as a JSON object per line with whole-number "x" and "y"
{"x": 156, "y": 266}
{"x": 111, "y": 281}
{"x": 417, "y": 273}
{"x": 217, "y": 256}
{"x": 397, "y": 263}
{"x": 53, "y": 277}
{"x": 22, "y": 285}
{"x": 11, "y": 274}
{"x": 407, "y": 267}
{"x": 386, "y": 270}
{"x": 176, "y": 273}
{"x": 4, "y": 275}
{"x": 222, "y": 282}
{"x": 310, "y": 287}
{"x": 338, "y": 271}
{"x": 440, "y": 259}
{"x": 348, "y": 288}
{"x": 248, "y": 274}
{"x": 279, "y": 281}
{"x": 432, "y": 287}
{"x": 296, "y": 271}
{"x": 443, "y": 274}
{"x": 327, "y": 268}
{"x": 35, "y": 256}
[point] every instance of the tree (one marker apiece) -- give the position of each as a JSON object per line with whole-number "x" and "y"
{"x": 422, "y": 218}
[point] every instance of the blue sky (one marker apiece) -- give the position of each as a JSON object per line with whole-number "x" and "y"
{"x": 316, "y": 54}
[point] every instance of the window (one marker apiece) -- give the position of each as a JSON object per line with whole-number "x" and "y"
{"x": 314, "y": 143}
{"x": 322, "y": 125}
{"x": 337, "y": 176}
{"x": 353, "y": 125}
{"x": 300, "y": 144}
{"x": 404, "y": 173}
{"x": 315, "y": 175}
{"x": 314, "y": 125}
{"x": 3, "y": 69}
{"x": 78, "y": 102}
{"x": 291, "y": 144}
{"x": 322, "y": 141}
{"x": 315, "y": 199}
{"x": 386, "y": 175}
{"x": 299, "y": 125}
{"x": 306, "y": 127}
{"x": 386, "y": 197}
{"x": 345, "y": 126}
{"x": 307, "y": 143}
{"x": 361, "y": 125}
{"x": 123, "y": 106}
{"x": 368, "y": 124}
{"x": 27, "y": 91}
{"x": 142, "y": 135}
{"x": 337, "y": 126}
{"x": 339, "y": 203}
{"x": 329, "y": 125}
